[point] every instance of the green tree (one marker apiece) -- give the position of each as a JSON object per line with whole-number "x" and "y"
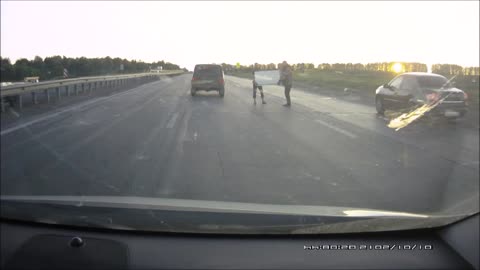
{"x": 23, "y": 69}
{"x": 54, "y": 67}
{"x": 7, "y": 71}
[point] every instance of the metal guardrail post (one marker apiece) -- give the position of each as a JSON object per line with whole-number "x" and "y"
{"x": 34, "y": 98}
{"x": 75, "y": 89}
{"x": 67, "y": 89}
{"x": 57, "y": 90}
{"x": 20, "y": 102}
{"x": 83, "y": 88}
{"x": 47, "y": 95}
{"x": 2, "y": 101}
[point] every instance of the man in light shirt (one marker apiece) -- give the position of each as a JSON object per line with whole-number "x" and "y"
{"x": 260, "y": 88}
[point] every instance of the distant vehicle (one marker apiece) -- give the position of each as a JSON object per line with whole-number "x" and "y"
{"x": 208, "y": 78}
{"x": 31, "y": 79}
{"x": 156, "y": 70}
{"x": 418, "y": 88}
{"x": 6, "y": 83}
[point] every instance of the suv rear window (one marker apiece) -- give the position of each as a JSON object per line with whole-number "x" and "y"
{"x": 208, "y": 70}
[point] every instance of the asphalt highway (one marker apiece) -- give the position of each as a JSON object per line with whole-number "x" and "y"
{"x": 157, "y": 140}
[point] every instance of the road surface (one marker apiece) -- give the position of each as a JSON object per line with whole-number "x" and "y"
{"x": 156, "y": 140}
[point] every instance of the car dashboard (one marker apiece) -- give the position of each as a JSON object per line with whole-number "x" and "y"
{"x": 27, "y": 245}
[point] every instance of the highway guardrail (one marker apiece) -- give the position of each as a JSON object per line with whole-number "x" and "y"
{"x": 76, "y": 85}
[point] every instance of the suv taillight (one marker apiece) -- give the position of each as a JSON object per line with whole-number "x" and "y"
{"x": 465, "y": 96}
{"x": 194, "y": 78}
{"x": 433, "y": 97}
{"x": 221, "y": 81}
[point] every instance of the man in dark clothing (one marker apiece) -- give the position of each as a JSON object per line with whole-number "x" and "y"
{"x": 286, "y": 78}
{"x": 260, "y": 88}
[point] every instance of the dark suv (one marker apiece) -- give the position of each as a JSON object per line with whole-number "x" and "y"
{"x": 418, "y": 88}
{"x": 208, "y": 78}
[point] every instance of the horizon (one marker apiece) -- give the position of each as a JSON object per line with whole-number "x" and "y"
{"x": 315, "y": 32}
{"x": 244, "y": 65}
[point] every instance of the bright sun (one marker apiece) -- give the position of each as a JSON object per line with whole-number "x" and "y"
{"x": 397, "y": 67}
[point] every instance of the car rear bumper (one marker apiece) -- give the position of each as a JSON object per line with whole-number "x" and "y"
{"x": 207, "y": 86}
{"x": 450, "y": 109}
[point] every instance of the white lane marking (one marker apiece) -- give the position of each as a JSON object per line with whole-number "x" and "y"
{"x": 14, "y": 112}
{"x": 141, "y": 157}
{"x": 172, "y": 120}
{"x": 470, "y": 163}
{"x": 183, "y": 129}
{"x": 15, "y": 128}
{"x": 99, "y": 132}
{"x": 72, "y": 108}
{"x": 337, "y": 129}
{"x": 81, "y": 123}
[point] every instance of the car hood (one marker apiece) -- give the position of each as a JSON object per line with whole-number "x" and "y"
{"x": 199, "y": 216}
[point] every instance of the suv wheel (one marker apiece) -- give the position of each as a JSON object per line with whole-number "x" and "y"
{"x": 379, "y": 106}
{"x": 221, "y": 92}
{"x": 192, "y": 91}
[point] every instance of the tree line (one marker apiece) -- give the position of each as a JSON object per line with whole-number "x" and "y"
{"x": 446, "y": 69}
{"x": 53, "y": 67}
{"x": 443, "y": 69}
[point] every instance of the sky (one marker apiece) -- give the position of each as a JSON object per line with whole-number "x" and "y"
{"x": 187, "y": 33}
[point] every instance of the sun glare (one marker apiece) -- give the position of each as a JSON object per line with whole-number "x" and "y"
{"x": 397, "y": 67}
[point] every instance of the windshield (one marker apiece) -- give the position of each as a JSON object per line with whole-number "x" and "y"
{"x": 431, "y": 82}
{"x": 268, "y": 117}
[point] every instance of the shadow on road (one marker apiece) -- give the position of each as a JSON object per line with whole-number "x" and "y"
{"x": 205, "y": 97}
